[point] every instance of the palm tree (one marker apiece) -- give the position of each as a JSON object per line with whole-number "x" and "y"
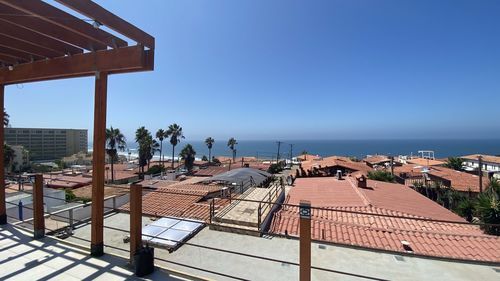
{"x": 8, "y": 156}
{"x": 231, "y": 143}
{"x": 5, "y": 118}
{"x": 141, "y": 136}
{"x": 150, "y": 147}
{"x": 188, "y": 155}
{"x": 454, "y": 163}
{"x": 209, "y": 142}
{"x": 174, "y": 132}
{"x": 160, "y": 135}
{"x": 488, "y": 208}
{"x": 466, "y": 208}
{"x": 115, "y": 141}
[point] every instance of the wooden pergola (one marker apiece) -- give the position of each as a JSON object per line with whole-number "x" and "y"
{"x": 40, "y": 42}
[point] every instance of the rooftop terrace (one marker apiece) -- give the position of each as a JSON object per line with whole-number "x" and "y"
{"x": 231, "y": 256}
{"x": 23, "y": 258}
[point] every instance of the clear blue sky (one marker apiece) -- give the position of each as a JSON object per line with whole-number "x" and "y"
{"x": 295, "y": 70}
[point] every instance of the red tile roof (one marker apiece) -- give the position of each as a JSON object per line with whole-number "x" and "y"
{"x": 183, "y": 201}
{"x": 376, "y": 159}
{"x": 460, "y": 181}
{"x": 334, "y": 161}
{"x": 60, "y": 181}
{"x": 486, "y": 158}
{"x": 306, "y": 157}
{"x": 338, "y": 224}
{"x": 215, "y": 170}
{"x": 425, "y": 162}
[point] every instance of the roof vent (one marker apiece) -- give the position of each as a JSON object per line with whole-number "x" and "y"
{"x": 225, "y": 192}
{"x": 360, "y": 181}
{"x": 406, "y": 246}
{"x": 339, "y": 174}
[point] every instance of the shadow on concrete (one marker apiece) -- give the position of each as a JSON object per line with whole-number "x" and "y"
{"x": 21, "y": 257}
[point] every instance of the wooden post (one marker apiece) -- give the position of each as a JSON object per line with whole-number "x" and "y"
{"x": 38, "y": 218}
{"x": 305, "y": 241}
{"x": 98, "y": 165}
{"x": 135, "y": 220}
{"x": 3, "y": 210}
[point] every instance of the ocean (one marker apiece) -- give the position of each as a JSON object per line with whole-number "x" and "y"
{"x": 356, "y": 148}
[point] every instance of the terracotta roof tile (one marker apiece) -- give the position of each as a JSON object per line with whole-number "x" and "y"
{"x": 451, "y": 240}
{"x": 335, "y": 161}
{"x": 305, "y": 157}
{"x": 184, "y": 201}
{"x": 486, "y": 158}
{"x": 425, "y": 162}
{"x": 376, "y": 159}
{"x": 460, "y": 181}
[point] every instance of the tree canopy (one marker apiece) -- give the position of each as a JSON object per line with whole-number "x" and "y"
{"x": 381, "y": 176}
{"x": 188, "y": 155}
{"x": 454, "y": 163}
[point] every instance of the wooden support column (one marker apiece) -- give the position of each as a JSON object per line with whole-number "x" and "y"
{"x": 3, "y": 210}
{"x": 38, "y": 212}
{"x": 135, "y": 220}
{"x": 98, "y": 165}
{"x": 305, "y": 241}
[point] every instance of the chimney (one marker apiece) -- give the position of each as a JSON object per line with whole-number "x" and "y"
{"x": 339, "y": 174}
{"x": 360, "y": 181}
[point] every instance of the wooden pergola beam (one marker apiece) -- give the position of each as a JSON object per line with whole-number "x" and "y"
{"x": 8, "y": 59}
{"x": 60, "y": 18}
{"x": 41, "y": 26}
{"x": 23, "y": 46}
{"x": 55, "y": 43}
{"x": 19, "y": 55}
{"x": 119, "y": 60}
{"x": 32, "y": 37}
{"x": 98, "y": 13}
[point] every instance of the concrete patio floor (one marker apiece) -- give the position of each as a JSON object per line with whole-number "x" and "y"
{"x": 217, "y": 265}
{"x": 22, "y": 258}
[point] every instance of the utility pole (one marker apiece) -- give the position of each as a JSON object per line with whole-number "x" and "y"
{"x": 480, "y": 160}
{"x": 392, "y": 165}
{"x": 278, "y": 155}
{"x": 291, "y": 155}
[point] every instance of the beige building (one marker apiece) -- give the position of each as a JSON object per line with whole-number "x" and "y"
{"x": 48, "y": 144}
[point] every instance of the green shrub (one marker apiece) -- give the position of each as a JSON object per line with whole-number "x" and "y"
{"x": 381, "y": 176}
{"x": 155, "y": 169}
{"x": 276, "y": 168}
